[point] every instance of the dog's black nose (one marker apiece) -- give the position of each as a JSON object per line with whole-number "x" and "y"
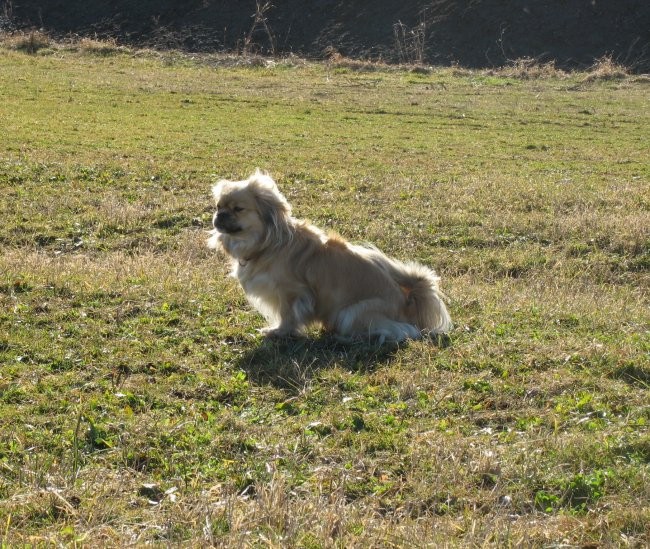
{"x": 225, "y": 222}
{"x": 221, "y": 220}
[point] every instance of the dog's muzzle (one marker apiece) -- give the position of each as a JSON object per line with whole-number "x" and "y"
{"x": 225, "y": 222}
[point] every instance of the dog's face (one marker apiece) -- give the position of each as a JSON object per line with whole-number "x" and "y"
{"x": 237, "y": 210}
{"x": 251, "y": 215}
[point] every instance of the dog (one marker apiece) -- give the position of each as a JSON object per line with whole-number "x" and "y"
{"x": 297, "y": 275}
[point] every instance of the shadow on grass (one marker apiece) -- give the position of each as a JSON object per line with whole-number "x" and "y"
{"x": 633, "y": 374}
{"x": 289, "y": 364}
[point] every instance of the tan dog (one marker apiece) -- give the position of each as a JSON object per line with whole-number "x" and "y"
{"x": 296, "y": 275}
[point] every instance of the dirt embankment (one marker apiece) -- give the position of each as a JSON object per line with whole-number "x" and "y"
{"x": 475, "y": 33}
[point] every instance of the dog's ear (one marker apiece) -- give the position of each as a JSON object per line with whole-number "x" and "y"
{"x": 269, "y": 198}
{"x": 218, "y": 189}
{"x": 272, "y": 205}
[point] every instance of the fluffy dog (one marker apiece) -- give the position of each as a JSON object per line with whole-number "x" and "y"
{"x": 296, "y": 275}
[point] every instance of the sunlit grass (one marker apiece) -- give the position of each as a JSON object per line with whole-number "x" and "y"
{"x": 137, "y": 402}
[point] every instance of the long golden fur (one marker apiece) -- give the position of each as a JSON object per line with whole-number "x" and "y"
{"x": 296, "y": 275}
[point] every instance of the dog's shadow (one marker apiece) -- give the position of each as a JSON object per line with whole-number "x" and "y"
{"x": 289, "y": 364}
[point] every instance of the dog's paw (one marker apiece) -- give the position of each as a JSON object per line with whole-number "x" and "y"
{"x": 280, "y": 333}
{"x": 439, "y": 339}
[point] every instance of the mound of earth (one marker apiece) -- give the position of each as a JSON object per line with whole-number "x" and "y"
{"x": 474, "y": 33}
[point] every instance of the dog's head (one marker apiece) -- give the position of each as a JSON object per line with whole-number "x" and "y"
{"x": 251, "y": 215}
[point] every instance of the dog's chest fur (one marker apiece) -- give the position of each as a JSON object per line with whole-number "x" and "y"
{"x": 261, "y": 289}
{"x": 258, "y": 283}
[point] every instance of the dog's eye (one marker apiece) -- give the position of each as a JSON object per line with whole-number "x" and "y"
{"x": 237, "y": 209}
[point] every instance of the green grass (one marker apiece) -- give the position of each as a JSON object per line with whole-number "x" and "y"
{"x": 139, "y": 405}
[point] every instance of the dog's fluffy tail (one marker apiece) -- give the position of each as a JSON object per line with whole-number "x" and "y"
{"x": 424, "y": 300}
{"x": 425, "y": 307}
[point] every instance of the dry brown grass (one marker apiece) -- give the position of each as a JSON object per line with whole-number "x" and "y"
{"x": 138, "y": 405}
{"x": 36, "y": 41}
{"x": 29, "y": 42}
{"x": 606, "y": 68}
{"x": 92, "y": 46}
{"x": 529, "y": 68}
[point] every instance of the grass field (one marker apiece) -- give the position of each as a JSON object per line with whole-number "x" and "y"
{"x": 139, "y": 405}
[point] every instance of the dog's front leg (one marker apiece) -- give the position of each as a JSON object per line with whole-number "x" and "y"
{"x": 295, "y": 314}
{"x": 287, "y": 327}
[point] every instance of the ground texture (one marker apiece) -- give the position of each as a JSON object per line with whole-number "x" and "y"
{"x": 139, "y": 405}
